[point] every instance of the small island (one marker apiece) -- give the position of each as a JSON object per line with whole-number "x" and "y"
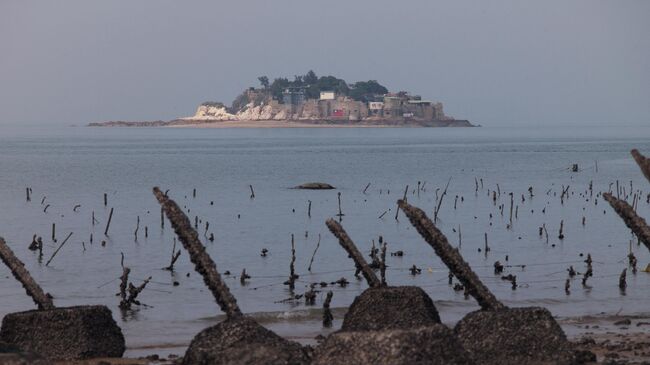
{"x": 312, "y": 101}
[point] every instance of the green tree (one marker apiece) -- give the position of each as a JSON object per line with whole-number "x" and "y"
{"x": 264, "y": 81}
{"x": 310, "y": 78}
{"x": 278, "y": 86}
{"x": 331, "y": 83}
{"x": 366, "y": 90}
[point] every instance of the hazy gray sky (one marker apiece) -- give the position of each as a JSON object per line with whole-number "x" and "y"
{"x": 494, "y": 62}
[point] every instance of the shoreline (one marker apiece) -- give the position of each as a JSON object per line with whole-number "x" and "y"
{"x": 610, "y": 337}
{"x": 193, "y": 123}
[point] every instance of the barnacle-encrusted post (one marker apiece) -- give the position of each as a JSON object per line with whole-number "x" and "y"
{"x": 201, "y": 260}
{"x": 327, "y": 313}
{"x": 349, "y": 246}
{"x": 451, "y": 257}
{"x": 42, "y": 300}
{"x": 637, "y": 224}
{"x": 643, "y": 162}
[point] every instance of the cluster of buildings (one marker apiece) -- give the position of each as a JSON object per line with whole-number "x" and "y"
{"x": 391, "y": 106}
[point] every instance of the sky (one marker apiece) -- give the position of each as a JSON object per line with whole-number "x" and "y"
{"x": 498, "y": 62}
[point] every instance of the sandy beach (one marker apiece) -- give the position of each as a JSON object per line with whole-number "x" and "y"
{"x": 277, "y": 124}
{"x": 307, "y": 123}
{"x": 313, "y": 124}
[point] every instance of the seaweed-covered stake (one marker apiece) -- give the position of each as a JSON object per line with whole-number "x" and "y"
{"x": 404, "y": 198}
{"x": 201, "y": 260}
{"x": 174, "y": 257}
{"x": 137, "y": 227}
{"x": 57, "y": 250}
{"x": 643, "y": 162}
{"x": 450, "y": 257}
{"x": 512, "y": 201}
{"x": 124, "y": 279}
{"x": 292, "y": 271}
{"x": 34, "y": 245}
{"x": 382, "y": 266}
{"x": 439, "y": 202}
{"x": 497, "y": 335}
{"x": 238, "y": 339}
{"x": 310, "y": 295}
{"x": 314, "y": 254}
{"x": 108, "y": 224}
{"x": 133, "y": 294}
{"x": 340, "y": 215}
{"x": 349, "y": 246}
{"x": 637, "y": 224}
{"x": 42, "y": 300}
{"x": 327, "y": 313}
{"x": 567, "y": 286}
{"x": 622, "y": 284}
{"x": 243, "y": 277}
{"x": 382, "y": 307}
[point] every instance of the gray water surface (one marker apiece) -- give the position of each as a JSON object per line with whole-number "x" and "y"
{"x": 77, "y": 165}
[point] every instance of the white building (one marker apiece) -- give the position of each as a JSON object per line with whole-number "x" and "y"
{"x": 327, "y": 95}
{"x": 375, "y": 105}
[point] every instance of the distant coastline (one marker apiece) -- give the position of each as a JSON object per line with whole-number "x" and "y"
{"x": 312, "y": 101}
{"x": 185, "y": 123}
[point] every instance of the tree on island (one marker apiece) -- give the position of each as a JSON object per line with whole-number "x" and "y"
{"x": 366, "y": 90}
{"x": 264, "y": 81}
{"x": 310, "y": 78}
{"x": 313, "y": 85}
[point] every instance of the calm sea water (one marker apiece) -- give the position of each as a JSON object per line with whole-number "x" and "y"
{"x": 68, "y": 166}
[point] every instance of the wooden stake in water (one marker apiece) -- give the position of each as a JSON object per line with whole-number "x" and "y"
{"x": 108, "y": 224}
{"x": 57, "y": 250}
{"x": 349, "y": 246}
{"x": 17, "y": 267}
{"x": 137, "y": 227}
{"x": 314, "y": 254}
{"x": 634, "y": 222}
{"x": 327, "y": 313}
{"x": 292, "y": 270}
{"x": 451, "y": 257}
{"x": 340, "y": 215}
{"x": 643, "y": 162}
{"x": 201, "y": 260}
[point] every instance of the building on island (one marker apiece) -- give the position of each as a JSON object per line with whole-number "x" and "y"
{"x": 327, "y": 95}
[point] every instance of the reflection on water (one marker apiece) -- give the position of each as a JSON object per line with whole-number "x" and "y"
{"x": 70, "y": 166}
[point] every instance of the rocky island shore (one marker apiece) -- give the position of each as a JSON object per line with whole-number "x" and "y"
{"x": 310, "y": 101}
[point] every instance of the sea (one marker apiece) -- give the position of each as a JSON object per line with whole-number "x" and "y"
{"x": 211, "y": 174}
